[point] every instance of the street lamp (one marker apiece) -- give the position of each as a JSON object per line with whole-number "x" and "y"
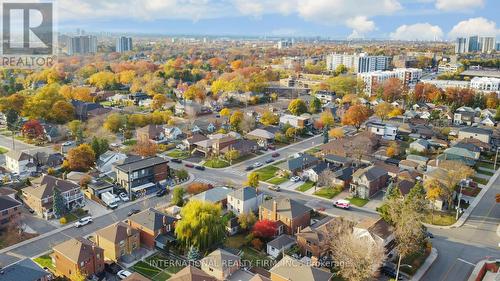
{"x": 459, "y": 199}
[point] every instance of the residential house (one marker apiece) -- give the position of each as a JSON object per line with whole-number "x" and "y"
{"x": 481, "y": 145}
{"x": 98, "y": 187}
{"x": 481, "y": 134}
{"x": 136, "y": 277}
{"x": 214, "y": 144}
{"x": 40, "y": 195}
{"x": 78, "y": 255}
{"x": 188, "y": 107}
{"x": 290, "y": 269}
{"x": 220, "y": 264}
{"x": 360, "y": 146}
{"x": 408, "y": 165}
{"x": 140, "y": 175}
{"x": 368, "y": 181}
{"x": 118, "y": 240}
{"x": 263, "y": 137}
{"x": 244, "y": 200}
{"x": 243, "y": 146}
{"x": 420, "y": 145}
{"x": 45, "y": 160}
{"x": 280, "y": 244}
{"x": 138, "y": 97}
{"x": 313, "y": 241}
{"x": 173, "y": 133}
{"x": 326, "y": 96}
{"x": 461, "y": 154}
{"x": 216, "y": 195}
{"x": 386, "y": 131}
{"x": 155, "y": 133}
{"x": 25, "y": 270}
{"x": 300, "y": 162}
{"x": 420, "y": 160}
{"x": 20, "y": 162}
{"x": 488, "y": 121}
{"x": 156, "y": 228}
{"x": 107, "y": 159}
{"x": 377, "y": 231}
{"x": 299, "y": 122}
{"x": 189, "y": 142}
{"x": 10, "y": 211}
{"x": 291, "y": 215}
{"x": 191, "y": 273}
{"x": 82, "y": 108}
{"x": 314, "y": 172}
{"x": 464, "y": 116}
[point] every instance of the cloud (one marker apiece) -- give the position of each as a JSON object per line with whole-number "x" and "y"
{"x": 418, "y": 31}
{"x": 458, "y": 5}
{"x": 474, "y": 26}
{"x": 360, "y": 25}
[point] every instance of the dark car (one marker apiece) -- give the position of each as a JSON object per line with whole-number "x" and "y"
{"x": 189, "y": 165}
{"x": 271, "y": 147}
{"x": 249, "y": 168}
{"x": 390, "y": 272}
{"x": 269, "y": 161}
{"x": 429, "y": 235}
{"x": 201, "y": 168}
{"x": 161, "y": 192}
{"x": 276, "y": 154}
{"x": 175, "y": 160}
{"x": 112, "y": 268}
{"x": 132, "y": 212}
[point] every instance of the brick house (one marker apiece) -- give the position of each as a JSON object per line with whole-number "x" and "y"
{"x": 368, "y": 181}
{"x": 291, "y": 215}
{"x": 156, "y": 228}
{"x": 10, "y": 211}
{"x": 118, "y": 240}
{"x": 78, "y": 255}
{"x": 139, "y": 174}
{"x": 313, "y": 240}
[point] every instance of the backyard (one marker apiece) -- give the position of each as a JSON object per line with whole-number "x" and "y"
{"x": 158, "y": 267}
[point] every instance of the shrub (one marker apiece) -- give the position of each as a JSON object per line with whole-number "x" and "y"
{"x": 63, "y": 220}
{"x": 198, "y": 187}
{"x": 249, "y": 238}
{"x": 257, "y": 244}
{"x": 51, "y": 171}
{"x": 182, "y": 174}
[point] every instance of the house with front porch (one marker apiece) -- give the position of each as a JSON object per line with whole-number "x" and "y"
{"x": 368, "y": 181}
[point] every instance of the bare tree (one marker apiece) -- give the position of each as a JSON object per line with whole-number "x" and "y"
{"x": 325, "y": 178}
{"x": 455, "y": 172}
{"x": 247, "y": 124}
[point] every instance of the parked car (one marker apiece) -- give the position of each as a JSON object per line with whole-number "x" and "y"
{"x": 124, "y": 197}
{"x": 249, "y": 168}
{"x": 276, "y": 154}
{"x": 133, "y": 212}
{"x": 189, "y": 165}
{"x": 271, "y": 147}
{"x": 342, "y": 204}
{"x": 67, "y": 143}
{"x": 429, "y": 235}
{"x": 161, "y": 192}
{"x": 390, "y": 272}
{"x": 201, "y": 168}
{"x": 122, "y": 274}
{"x": 83, "y": 221}
{"x": 176, "y": 160}
{"x": 112, "y": 268}
{"x": 275, "y": 188}
{"x": 257, "y": 164}
{"x": 295, "y": 179}
{"x": 269, "y": 161}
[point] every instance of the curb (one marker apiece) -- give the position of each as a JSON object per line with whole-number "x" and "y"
{"x": 427, "y": 264}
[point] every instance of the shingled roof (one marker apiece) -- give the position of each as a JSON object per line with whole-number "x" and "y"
{"x": 286, "y": 207}
{"x": 77, "y": 249}
{"x": 152, "y": 219}
{"x": 44, "y": 187}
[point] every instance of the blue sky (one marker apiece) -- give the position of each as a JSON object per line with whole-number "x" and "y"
{"x": 387, "y": 19}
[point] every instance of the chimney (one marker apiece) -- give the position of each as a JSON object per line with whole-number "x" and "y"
{"x": 275, "y": 210}
{"x": 129, "y": 231}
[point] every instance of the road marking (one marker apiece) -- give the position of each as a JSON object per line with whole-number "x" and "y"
{"x": 464, "y": 261}
{"x": 19, "y": 256}
{"x": 470, "y": 225}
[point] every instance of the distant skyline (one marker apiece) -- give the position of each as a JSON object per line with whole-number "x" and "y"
{"x": 336, "y": 19}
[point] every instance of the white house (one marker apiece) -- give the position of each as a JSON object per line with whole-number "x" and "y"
{"x": 488, "y": 121}
{"x": 244, "y": 200}
{"x": 420, "y": 145}
{"x": 296, "y": 121}
{"x": 481, "y": 134}
{"x": 386, "y": 131}
{"x": 106, "y": 160}
{"x": 280, "y": 244}
{"x": 19, "y": 162}
{"x": 172, "y": 133}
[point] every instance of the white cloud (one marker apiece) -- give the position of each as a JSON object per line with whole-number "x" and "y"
{"x": 360, "y": 25}
{"x": 474, "y": 26}
{"x": 458, "y": 5}
{"x": 418, "y": 31}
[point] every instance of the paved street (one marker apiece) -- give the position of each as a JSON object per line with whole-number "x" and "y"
{"x": 19, "y": 145}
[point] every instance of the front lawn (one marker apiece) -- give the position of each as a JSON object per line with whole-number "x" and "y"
{"x": 328, "y": 192}
{"x": 277, "y": 180}
{"x": 486, "y": 173}
{"x": 3, "y": 150}
{"x": 177, "y": 153}
{"x": 267, "y": 172}
{"x": 45, "y": 261}
{"x": 167, "y": 264}
{"x": 216, "y": 163}
{"x": 313, "y": 150}
{"x": 305, "y": 186}
{"x": 440, "y": 218}
{"x": 145, "y": 269}
{"x": 485, "y": 165}
{"x": 359, "y": 202}
{"x": 480, "y": 180}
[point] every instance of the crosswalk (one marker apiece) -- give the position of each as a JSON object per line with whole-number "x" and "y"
{"x": 206, "y": 181}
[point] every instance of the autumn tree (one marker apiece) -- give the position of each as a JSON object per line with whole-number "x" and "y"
{"x": 103, "y": 79}
{"x": 225, "y": 112}
{"x": 492, "y": 100}
{"x": 291, "y": 133}
{"x": 246, "y": 220}
{"x": 297, "y": 107}
{"x": 200, "y": 225}
{"x": 268, "y": 118}
{"x": 253, "y": 179}
{"x": 75, "y": 126}
{"x": 159, "y": 101}
{"x": 196, "y": 91}
{"x": 326, "y": 118}
{"x": 80, "y": 158}
{"x": 114, "y": 122}
{"x": 325, "y": 178}
{"x": 356, "y": 115}
{"x": 383, "y": 109}
{"x": 62, "y": 112}
{"x": 236, "y": 119}
{"x": 33, "y": 129}
{"x": 392, "y": 89}
{"x": 231, "y": 155}
{"x": 265, "y": 229}
{"x": 197, "y": 187}
{"x": 434, "y": 192}
{"x": 393, "y": 149}
{"x": 336, "y": 133}
{"x": 455, "y": 171}
{"x": 145, "y": 147}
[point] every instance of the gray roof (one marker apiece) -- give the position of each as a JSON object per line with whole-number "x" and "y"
{"x": 318, "y": 169}
{"x": 152, "y": 219}
{"x": 18, "y": 155}
{"x": 25, "y": 270}
{"x": 293, "y": 270}
{"x": 372, "y": 173}
{"x": 245, "y": 193}
{"x": 336, "y": 159}
{"x": 475, "y": 130}
{"x": 6, "y": 202}
{"x": 214, "y": 195}
{"x": 221, "y": 259}
{"x": 287, "y": 207}
{"x": 133, "y": 163}
{"x": 301, "y": 161}
{"x": 282, "y": 241}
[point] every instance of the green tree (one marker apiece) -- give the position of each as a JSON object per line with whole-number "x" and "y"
{"x": 193, "y": 254}
{"x": 246, "y": 220}
{"x": 99, "y": 146}
{"x": 253, "y": 179}
{"x": 12, "y": 120}
{"x": 297, "y": 107}
{"x": 177, "y": 196}
{"x": 74, "y": 126}
{"x": 58, "y": 204}
{"x": 315, "y": 105}
{"x": 200, "y": 225}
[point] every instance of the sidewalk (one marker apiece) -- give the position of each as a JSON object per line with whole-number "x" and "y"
{"x": 427, "y": 264}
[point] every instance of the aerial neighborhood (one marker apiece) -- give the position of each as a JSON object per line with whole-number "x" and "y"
{"x": 193, "y": 158}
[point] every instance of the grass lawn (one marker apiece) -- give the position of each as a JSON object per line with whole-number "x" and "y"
{"x": 313, "y": 150}
{"x": 244, "y": 158}
{"x": 177, "y": 153}
{"x": 267, "y": 172}
{"x": 305, "y": 186}
{"x": 235, "y": 241}
{"x": 216, "y": 163}
{"x": 413, "y": 262}
{"x": 3, "y": 150}
{"x": 106, "y": 103}
{"x": 256, "y": 258}
{"x": 480, "y": 180}
{"x": 165, "y": 263}
{"x": 440, "y": 218}
{"x": 145, "y": 269}
{"x": 486, "y": 173}
{"x": 130, "y": 142}
{"x": 277, "y": 180}
{"x": 45, "y": 261}
{"x": 327, "y": 192}
{"x": 359, "y": 202}
{"x": 485, "y": 165}
{"x": 70, "y": 217}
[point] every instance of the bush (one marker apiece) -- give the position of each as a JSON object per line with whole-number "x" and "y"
{"x": 198, "y": 187}
{"x": 249, "y": 238}
{"x": 257, "y": 244}
{"x": 181, "y": 174}
{"x": 63, "y": 220}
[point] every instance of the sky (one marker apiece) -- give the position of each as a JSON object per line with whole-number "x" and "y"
{"x": 336, "y": 19}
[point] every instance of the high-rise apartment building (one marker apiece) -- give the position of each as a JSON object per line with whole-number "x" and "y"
{"x": 82, "y": 45}
{"x": 461, "y": 45}
{"x": 487, "y": 44}
{"x": 123, "y": 44}
{"x": 373, "y": 79}
{"x": 359, "y": 63}
{"x": 472, "y": 44}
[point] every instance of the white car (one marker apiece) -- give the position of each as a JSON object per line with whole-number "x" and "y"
{"x": 343, "y": 204}
{"x": 67, "y": 143}
{"x": 83, "y": 221}
{"x": 295, "y": 179}
{"x": 257, "y": 164}
{"x": 122, "y": 274}
{"x": 123, "y": 196}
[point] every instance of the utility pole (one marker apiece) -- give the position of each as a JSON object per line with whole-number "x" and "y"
{"x": 459, "y": 199}
{"x": 496, "y": 158}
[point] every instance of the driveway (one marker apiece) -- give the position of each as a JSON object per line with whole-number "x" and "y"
{"x": 95, "y": 209}
{"x": 33, "y": 224}
{"x": 290, "y": 185}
